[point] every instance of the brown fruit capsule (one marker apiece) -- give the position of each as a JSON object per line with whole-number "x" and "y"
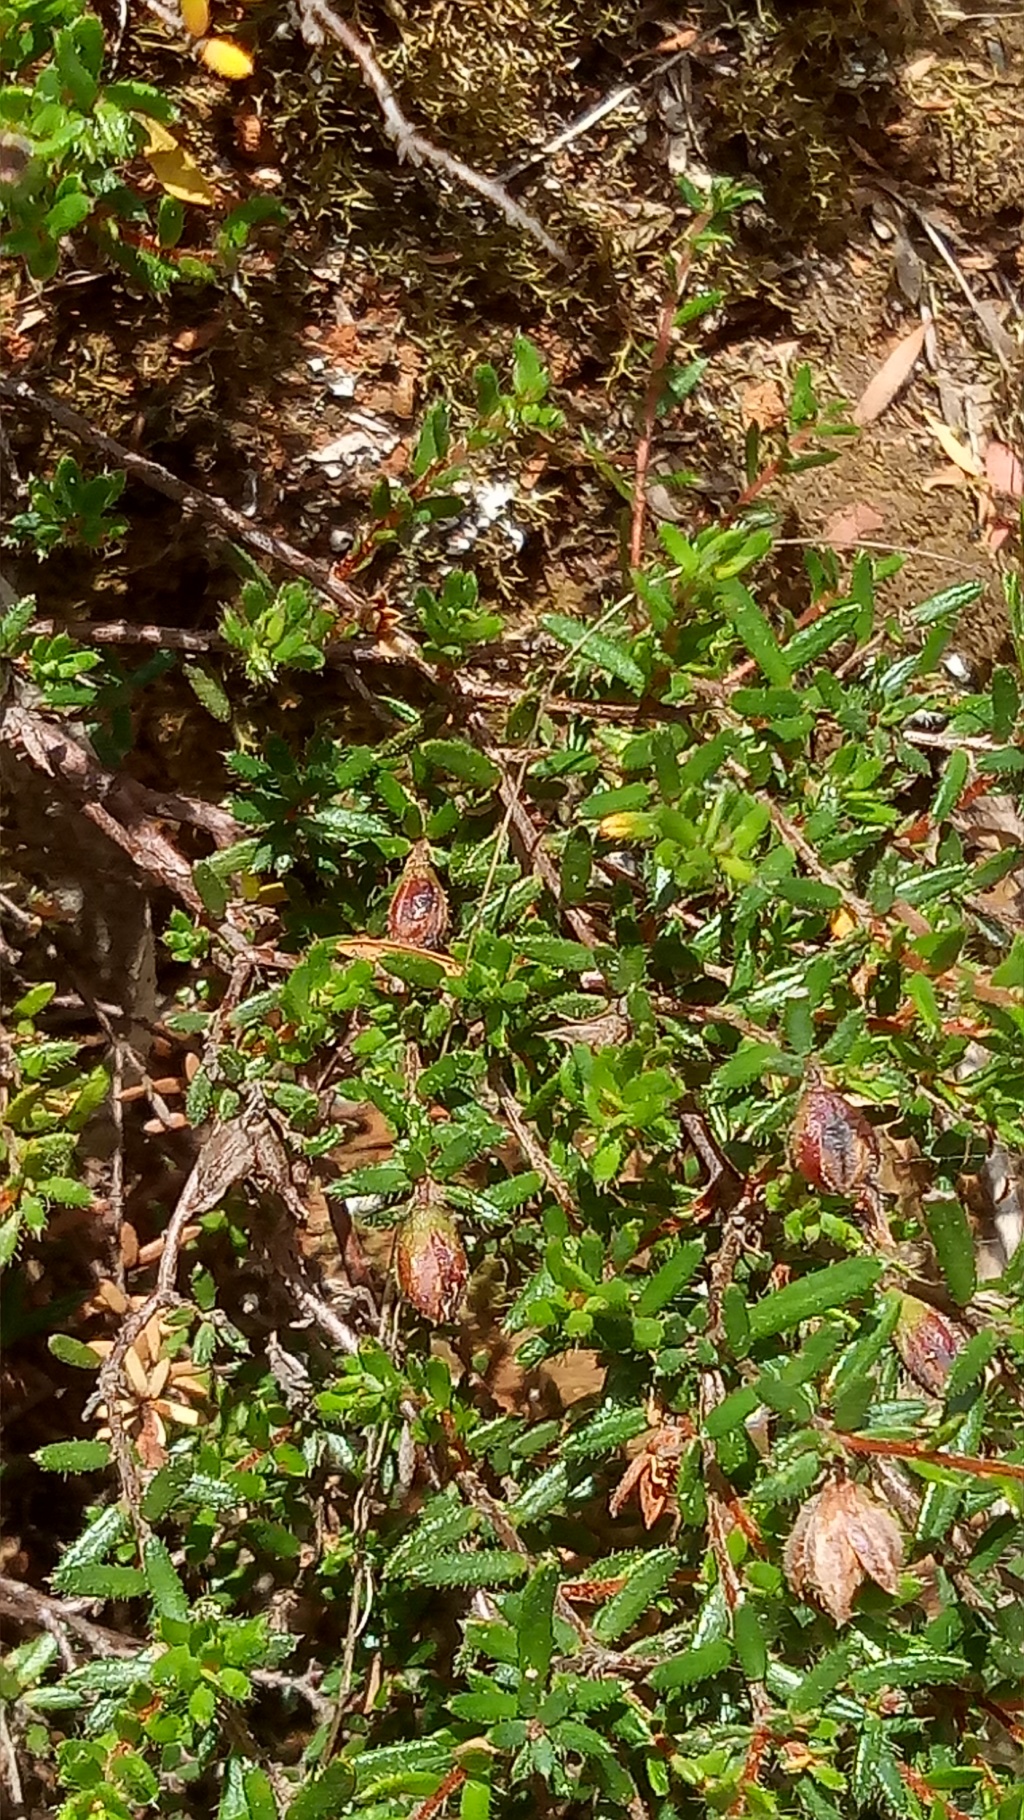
{"x": 927, "y": 1342}
{"x": 841, "y": 1538}
{"x": 832, "y": 1144}
{"x": 432, "y": 1266}
{"x": 419, "y": 909}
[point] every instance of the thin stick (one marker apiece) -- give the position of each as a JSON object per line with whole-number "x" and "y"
{"x": 25, "y": 1603}
{"x": 319, "y": 19}
{"x": 207, "y": 505}
{"x": 53, "y": 750}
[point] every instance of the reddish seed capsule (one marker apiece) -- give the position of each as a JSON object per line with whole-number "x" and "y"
{"x": 927, "y": 1342}
{"x": 432, "y": 1266}
{"x": 832, "y": 1144}
{"x": 419, "y": 909}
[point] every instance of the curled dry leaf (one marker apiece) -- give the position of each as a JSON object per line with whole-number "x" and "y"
{"x": 158, "y": 1391}
{"x": 842, "y": 1537}
{"x": 653, "y": 1473}
{"x": 418, "y": 916}
{"x": 956, "y": 451}
{"x": 879, "y": 393}
{"x": 927, "y": 1342}
{"x": 430, "y": 1259}
{"x": 832, "y": 1144}
{"x": 175, "y": 169}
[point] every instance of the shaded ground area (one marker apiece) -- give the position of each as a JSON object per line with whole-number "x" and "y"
{"x": 887, "y": 143}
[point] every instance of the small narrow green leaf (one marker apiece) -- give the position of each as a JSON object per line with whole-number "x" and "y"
{"x": 692, "y": 1666}
{"x": 597, "y": 648}
{"x": 605, "y": 1432}
{"x": 753, "y": 628}
{"x": 165, "y": 1588}
{"x": 837, "y": 1286}
{"x": 749, "y": 1639}
{"x": 950, "y": 1233}
{"x": 673, "y": 1276}
{"x": 205, "y": 686}
{"x": 96, "y": 1580}
{"x": 461, "y": 761}
{"x": 644, "y": 1583}
{"x": 73, "y": 1456}
{"x": 535, "y": 1629}
{"x": 325, "y": 1797}
{"x": 483, "y": 1707}
{"x": 73, "y": 1352}
{"x": 482, "y": 1567}
{"x": 826, "y": 1675}
{"x": 951, "y": 785}
{"x": 92, "y": 1545}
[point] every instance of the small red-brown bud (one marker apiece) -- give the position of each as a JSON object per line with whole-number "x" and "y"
{"x": 832, "y": 1143}
{"x": 418, "y": 915}
{"x": 432, "y": 1266}
{"x": 927, "y": 1342}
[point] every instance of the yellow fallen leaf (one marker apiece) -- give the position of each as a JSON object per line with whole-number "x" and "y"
{"x": 841, "y": 924}
{"x": 226, "y": 59}
{"x": 951, "y": 446}
{"x": 363, "y": 947}
{"x": 175, "y": 169}
{"x": 195, "y": 16}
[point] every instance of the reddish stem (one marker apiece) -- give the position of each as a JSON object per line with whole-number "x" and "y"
{"x": 453, "y": 1780}
{"x": 931, "y": 1456}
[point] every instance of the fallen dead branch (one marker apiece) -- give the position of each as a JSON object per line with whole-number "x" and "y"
{"x": 206, "y": 505}
{"x": 319, "y": 21}
{"x": 120, "y": 808}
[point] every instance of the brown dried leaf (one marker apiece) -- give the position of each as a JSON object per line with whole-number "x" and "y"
{"x": 849, "y": 525}
{"x": 879, "y": 393}
{"x": 763, "y": 404}
{"x": 927, "y": 1342}
{"x": 841, "y": 1537}
{"x": 875, "y": 1538}
{"x": 418, "y": 915}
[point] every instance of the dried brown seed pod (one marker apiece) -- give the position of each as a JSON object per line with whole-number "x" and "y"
{"x": 432, "y": 1266}
{"x": 251, "y": 136}
{"x": 842, "y": 1537}
{"x": 419, "y": 909}
{"x": 832, "y": 1143}
{"x": 927, "y": 1342}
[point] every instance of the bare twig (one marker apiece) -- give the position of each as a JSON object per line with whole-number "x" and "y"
{"x": 9, "y": 1763}
{"x": 320, "y": 20}
{"x": 207, "y": 505}
{"x": 113, "y": 804}
{"x": 528, "y": 839}
{"x": 535, "y": 1153}
{"x": 25, "y": 1604}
